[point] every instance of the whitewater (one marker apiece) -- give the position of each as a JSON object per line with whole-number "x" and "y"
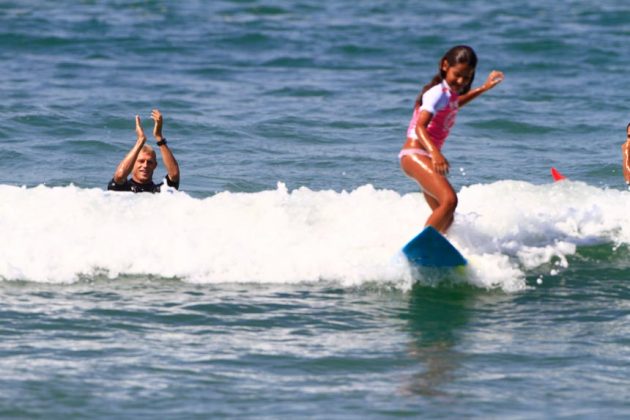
{"x": 508, "y": 230}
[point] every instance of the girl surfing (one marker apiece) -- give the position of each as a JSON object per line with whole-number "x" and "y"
{"x": 433, "y": 117}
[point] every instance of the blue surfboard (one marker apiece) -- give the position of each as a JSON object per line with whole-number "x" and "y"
{"x": 430, "y": 249}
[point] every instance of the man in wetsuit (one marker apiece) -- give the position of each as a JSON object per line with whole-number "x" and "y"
{"x": 141, "y": 161}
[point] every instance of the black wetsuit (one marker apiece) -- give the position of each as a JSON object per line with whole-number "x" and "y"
{"x": 136, "y": 187}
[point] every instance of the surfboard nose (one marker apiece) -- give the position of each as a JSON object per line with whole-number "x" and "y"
{"x": 430, "y": 249}
{"x": 557, "y": 176}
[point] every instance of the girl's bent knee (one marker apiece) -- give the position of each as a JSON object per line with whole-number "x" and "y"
{"x": 450, "y": 202}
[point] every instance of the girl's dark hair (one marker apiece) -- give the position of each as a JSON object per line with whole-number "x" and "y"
{"x": 461, "y": 54}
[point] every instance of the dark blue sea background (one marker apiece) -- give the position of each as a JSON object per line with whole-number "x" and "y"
{"x": 271, "y": 285}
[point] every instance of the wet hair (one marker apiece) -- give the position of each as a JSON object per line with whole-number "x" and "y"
{"x": 148, "y": 149}
{"x": 628, "y": 126}
{"x": 460, "y": 54}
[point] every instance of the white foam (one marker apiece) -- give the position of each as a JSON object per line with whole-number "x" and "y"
{"x": 504, "y": 229}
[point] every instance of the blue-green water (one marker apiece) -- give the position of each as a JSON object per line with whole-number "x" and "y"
{"x": 271, "y": 287}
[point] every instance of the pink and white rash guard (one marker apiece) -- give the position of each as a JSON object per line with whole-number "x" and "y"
{"x": 443, "y": 104}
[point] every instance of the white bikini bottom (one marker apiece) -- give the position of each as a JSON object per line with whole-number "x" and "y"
{"x": 414, "y": 151}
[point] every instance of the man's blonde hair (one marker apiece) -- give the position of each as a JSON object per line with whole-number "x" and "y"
{"x": 148, "y": 149}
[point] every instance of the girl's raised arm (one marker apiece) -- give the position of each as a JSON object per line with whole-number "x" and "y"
{"x": 494, "y": 78}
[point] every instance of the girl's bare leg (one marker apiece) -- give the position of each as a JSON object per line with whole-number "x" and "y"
{"x": 437, "y": 190}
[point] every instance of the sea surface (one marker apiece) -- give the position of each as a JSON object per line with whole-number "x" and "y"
{"x": 272, "y": 284}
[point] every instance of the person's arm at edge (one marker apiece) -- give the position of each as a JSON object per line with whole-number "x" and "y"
{"x": 126, "y": 165}
{"x": 172, "y": 167}
{"x": 625, "y": 150}
{"x": 494, "y": 79}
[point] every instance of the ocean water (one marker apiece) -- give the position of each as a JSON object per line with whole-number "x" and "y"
{"x": 271, "y": 285}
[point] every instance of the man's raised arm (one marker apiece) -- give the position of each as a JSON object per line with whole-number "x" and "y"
{"x": 167, "y": 156}
{"x": 126, "y": 165}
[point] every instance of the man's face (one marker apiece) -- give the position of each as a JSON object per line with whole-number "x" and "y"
{"x": 144, "y": 167}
